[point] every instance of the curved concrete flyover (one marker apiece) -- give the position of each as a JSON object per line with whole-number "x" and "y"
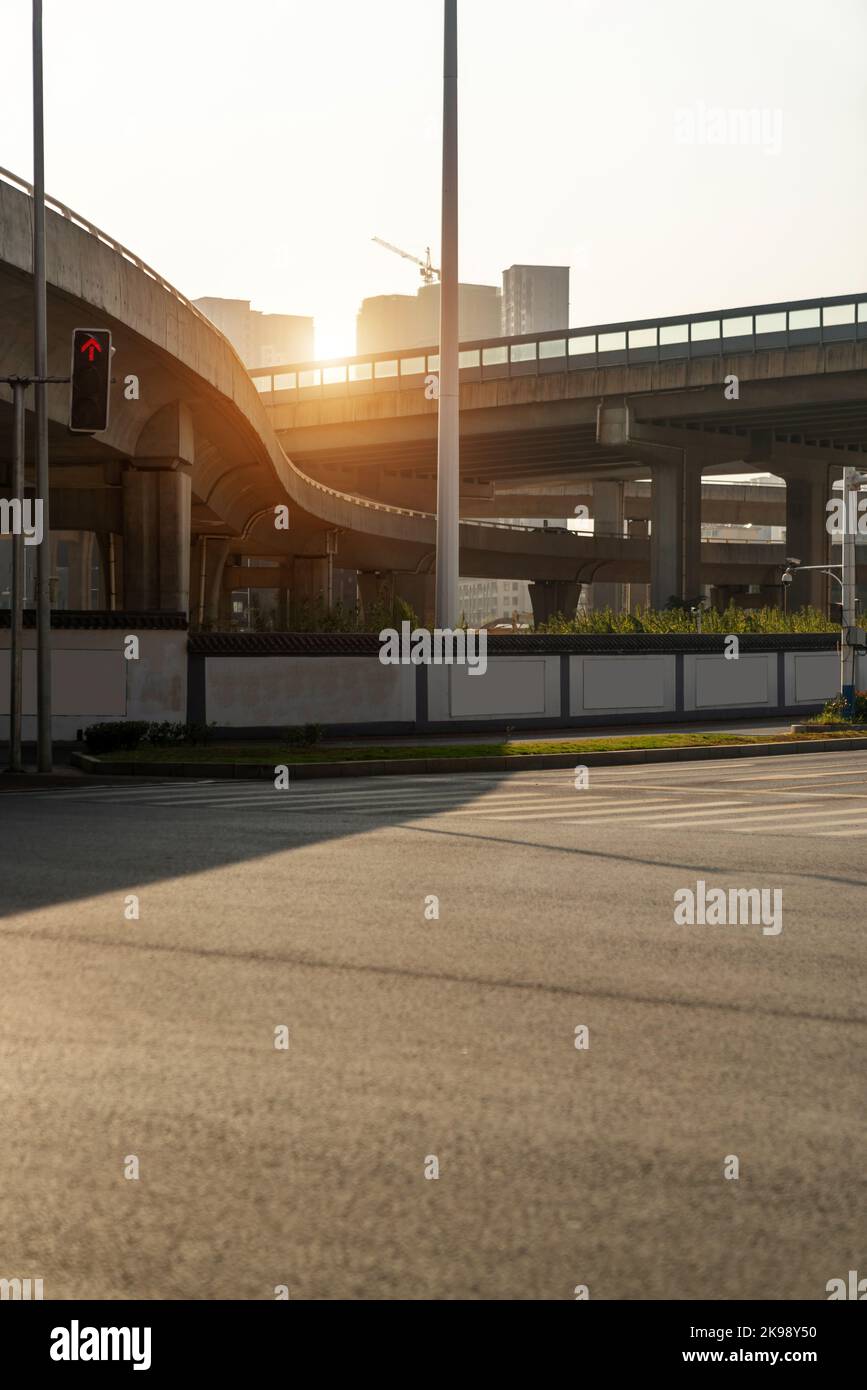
{"x": 196, "y": 451}
{"x": 198, "y": 415}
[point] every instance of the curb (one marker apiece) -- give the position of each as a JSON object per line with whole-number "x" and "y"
{"x": 413, "y": 767}
{"x": 15, "y": 781}
{"x": 811, "y": 728}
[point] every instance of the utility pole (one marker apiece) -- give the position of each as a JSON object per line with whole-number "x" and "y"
{"x": 448, "y": 438}
{"x": 40, "y": 371}
{"x": 18, "y": 385}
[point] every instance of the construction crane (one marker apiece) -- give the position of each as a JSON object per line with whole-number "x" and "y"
{"x": 426, "y": 270}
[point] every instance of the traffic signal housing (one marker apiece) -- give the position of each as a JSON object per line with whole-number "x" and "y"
{"x": 90, "y": 380}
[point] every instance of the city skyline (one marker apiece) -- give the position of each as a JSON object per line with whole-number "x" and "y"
{"x": 667, "y": 173}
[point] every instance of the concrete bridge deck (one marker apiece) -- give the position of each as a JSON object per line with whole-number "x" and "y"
{"x": 202, "y": 456}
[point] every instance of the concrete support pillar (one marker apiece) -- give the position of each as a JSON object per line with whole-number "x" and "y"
{"x": 311, "y": 580}
{"x": 768, "y": 596}
{"x": 140, "y": 540}
{"x": 807, "y": 492}
{"x": 207, "y": 566}
{"x": 552, "y": 596}
{"x": 198, "y": 558}
{"x": 721, "y": 595}
{"x": 174, "y": 505}
{"x": 675, "y": 531}
{"x": 156, "y": 519}
{"x": 419, "y": 591}
{"x": 607, "y": 521}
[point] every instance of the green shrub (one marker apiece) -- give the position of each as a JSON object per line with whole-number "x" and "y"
{"x": 732, "y": 620}
{"x": 165, "y": 733}
{"x": 306, "y": 734}
{"x": 116, "y": 734}
{"x": 129, "y": 733}
{"x": 198, "y": 733}
{"x": 835, "y": 710}
{"x": 169, "y": 733}
{"x": 314, "y": 616}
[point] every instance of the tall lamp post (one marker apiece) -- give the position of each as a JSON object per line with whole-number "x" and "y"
{"x": 448, "y": 439}
{"x": 788, "y": 574}
{"x": 40, "y": 371}
{"x": 849, "y": 645}
{"x": 850, "y": 633}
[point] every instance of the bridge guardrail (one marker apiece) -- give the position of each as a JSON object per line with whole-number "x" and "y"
{"x": 113, "y": 244}
{"x": 118, "y": 247}
{"x": 755, "y": 328}
{"x": 110, "y": 241}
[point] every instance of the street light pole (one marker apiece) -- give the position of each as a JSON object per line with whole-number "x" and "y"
{"x": 16, "y": 598}
{"x": 40, "y": 359}
{"x": 448, "y": 437}
{"x": 852, "y": 480}
{"x": 847, "y": 579}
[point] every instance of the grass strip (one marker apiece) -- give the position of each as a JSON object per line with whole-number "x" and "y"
{"x": 275, "y": 753}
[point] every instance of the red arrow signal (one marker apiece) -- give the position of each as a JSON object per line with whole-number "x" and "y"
{"x": 90, "y": 347}
{"x": 90, "y": 380}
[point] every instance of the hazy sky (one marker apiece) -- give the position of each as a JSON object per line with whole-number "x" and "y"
{"x": 253, "y": 149}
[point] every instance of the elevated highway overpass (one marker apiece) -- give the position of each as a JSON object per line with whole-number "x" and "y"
{"x": 191, "y": 471}
{"x": 778, "y": 387}
{"x": 189, "y": 475}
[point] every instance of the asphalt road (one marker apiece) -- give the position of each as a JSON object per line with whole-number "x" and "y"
{"x": 410, "y": 1037}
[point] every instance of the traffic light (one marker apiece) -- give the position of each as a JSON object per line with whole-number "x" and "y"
{"x": 91, "y": 379}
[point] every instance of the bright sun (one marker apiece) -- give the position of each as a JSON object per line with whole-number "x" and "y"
{"x": 334, "y": 335}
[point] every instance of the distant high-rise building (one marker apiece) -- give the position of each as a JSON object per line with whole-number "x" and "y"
{"x": 388, "y": 321}
{"x": 399, "y": 321}
{"x": 260, "y": 340}
{"x": 535, "y": 299}
{"x": 484, "y": 601}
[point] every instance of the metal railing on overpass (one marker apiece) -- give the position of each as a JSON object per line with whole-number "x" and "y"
{"x": 87, "y": 226}
{"x": 756, "y": 328}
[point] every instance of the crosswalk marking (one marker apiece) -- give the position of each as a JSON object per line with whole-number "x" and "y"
{"x": 680, "y": 783}
{"x": 268, "y": 796}
{"x": 142, "y": 792}
{"x": 828, "y": 800}
{"x": 800, "y": 820}
{"x": 380, "y": 796}
{"x": 657, "y": 807}
{"x": 496, "y": 805}
{"x": 700, "y": 812}
{"x": 837, "y": 773}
